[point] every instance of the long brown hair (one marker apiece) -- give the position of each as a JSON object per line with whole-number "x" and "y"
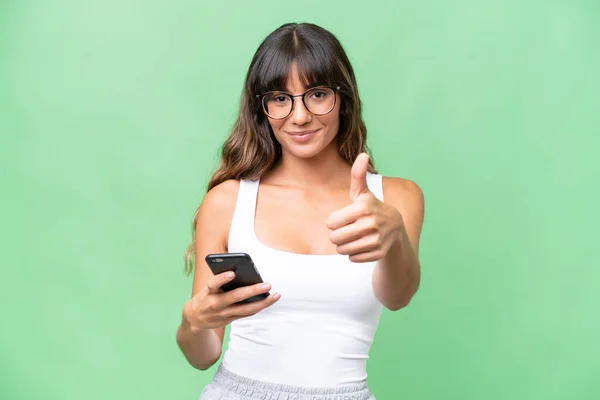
{"x": 251, "y": 149}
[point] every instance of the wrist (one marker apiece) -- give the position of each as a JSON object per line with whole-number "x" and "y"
{"x": 400, "y": 239}
{"x": 397, "y": 248}
{"x": 186, "y": 319}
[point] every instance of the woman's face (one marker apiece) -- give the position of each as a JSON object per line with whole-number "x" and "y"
{"x": 303, "y": 134}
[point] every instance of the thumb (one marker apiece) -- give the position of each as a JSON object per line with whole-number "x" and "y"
{"x": 358, "y": 176}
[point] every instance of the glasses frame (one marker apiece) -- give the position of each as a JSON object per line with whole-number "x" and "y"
{"x": 261, "y": 97}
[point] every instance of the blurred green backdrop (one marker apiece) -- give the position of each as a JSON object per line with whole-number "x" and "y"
{"x": 111, "y": 116}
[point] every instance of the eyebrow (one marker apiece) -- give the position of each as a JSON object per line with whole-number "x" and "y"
{"x": 288, "y": 92}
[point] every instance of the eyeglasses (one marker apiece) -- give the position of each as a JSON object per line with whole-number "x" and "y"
{"x": 318, "y": 101}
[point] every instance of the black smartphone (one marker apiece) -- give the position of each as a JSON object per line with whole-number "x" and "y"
{"x": 242, "y": 264}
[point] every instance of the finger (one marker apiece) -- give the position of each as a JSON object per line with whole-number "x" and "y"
{"x": 246, "y": 310}
{"x": 367, "y": 256}
{"x": 216, "y": 281}
{"x": 358, "y": 176}
{"x": 347, "y": 215}
{"x": 363, "y": 244}
{"x": 348, "y": 233}
{"x": 245, "y": 292}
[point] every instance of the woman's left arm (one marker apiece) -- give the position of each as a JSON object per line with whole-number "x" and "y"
{"x": 387, "y": 232}
{"x": 397, "y": 274}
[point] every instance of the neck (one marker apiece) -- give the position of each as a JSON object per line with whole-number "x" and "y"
{"x": 325, "y": 169}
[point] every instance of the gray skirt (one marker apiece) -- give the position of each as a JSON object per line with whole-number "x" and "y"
{"x": 228, "y": 386}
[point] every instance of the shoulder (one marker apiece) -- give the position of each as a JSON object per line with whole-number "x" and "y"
{"x": 222, "y": 196}
{"x": 401, "y": 187}
{"x": 217, "y": 207}
{"x": 405, "y": 194}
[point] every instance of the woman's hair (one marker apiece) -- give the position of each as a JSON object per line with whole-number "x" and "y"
{"x": 251, "y": 149}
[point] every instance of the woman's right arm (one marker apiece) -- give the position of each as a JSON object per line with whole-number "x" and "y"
{"x": 205, "y": 315}
{"x": 202, "y": 347}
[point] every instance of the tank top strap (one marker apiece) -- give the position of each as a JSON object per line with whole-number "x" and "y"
{"x": 241, "y": 230}
{"x": 375, "y": 184}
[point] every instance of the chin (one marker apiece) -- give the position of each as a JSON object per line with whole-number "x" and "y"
{"x": 304, "y": 152}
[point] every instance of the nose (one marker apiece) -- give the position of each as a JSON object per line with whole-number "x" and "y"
{"x": 300, "y": 115}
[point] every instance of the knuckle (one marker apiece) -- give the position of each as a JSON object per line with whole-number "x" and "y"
{"x": 371, "y": 222}
{"x": 224, "y": 314}
{"x": 363, "y": 207}
{"x": 370, "y": 244}
{"x": 244, "y": 311}
{"x": 237, "y": 295}
{"x": 376, "y": 239}
{"x": 333, "y": 237}
{"x": 210, "y": 285}
{"x": 213, "y": 303}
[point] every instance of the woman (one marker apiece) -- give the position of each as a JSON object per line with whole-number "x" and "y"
{"x": 297, "y": 191}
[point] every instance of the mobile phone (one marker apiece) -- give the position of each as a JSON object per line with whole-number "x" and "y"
{"x": 242, "y": 264}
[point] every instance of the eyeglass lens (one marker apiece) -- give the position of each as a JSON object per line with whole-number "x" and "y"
{"x": 318, "y": 101}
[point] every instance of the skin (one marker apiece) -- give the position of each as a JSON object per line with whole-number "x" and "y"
{"x": 333, "y": 212}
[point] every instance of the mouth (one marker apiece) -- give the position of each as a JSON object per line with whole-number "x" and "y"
{"x": 302, "y": 136}
{"x": 302, "y": 133}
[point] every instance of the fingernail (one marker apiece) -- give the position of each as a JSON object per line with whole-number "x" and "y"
{"x": 230, "y": 275}
{"x": 276, "y": 296}
{"x": 266, "y": 286}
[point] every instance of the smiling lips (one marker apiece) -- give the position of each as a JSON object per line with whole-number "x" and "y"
{"x": 302, "y": 136}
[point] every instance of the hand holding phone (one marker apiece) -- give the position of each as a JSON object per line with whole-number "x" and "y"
{"x": 245, "y": 271}
{"x": 234, "y": 291}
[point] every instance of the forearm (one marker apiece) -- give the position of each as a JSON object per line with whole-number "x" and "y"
{"x": 201, "y": 348}
{"x": 396, "y": 276}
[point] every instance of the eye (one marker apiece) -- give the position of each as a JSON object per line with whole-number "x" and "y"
{"x": 319, "y": 94}
{"x": 278, "y": 98}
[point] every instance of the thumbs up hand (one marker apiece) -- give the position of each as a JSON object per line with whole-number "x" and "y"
{"x": 367, "y": 228}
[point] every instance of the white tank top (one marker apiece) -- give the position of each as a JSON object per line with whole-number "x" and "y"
{"x": 320, "y": 331}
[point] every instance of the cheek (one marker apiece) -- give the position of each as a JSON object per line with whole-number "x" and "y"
{"x": 276, "y": 126}
{"x": 332, "y": 121}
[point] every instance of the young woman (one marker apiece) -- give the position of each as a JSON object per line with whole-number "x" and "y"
{"x": 334, "y": 241}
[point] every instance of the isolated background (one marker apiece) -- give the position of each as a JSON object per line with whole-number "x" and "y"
{"x": 111, "y": 117}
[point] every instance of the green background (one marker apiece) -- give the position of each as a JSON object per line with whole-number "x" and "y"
{"x": 111, "y": 116}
